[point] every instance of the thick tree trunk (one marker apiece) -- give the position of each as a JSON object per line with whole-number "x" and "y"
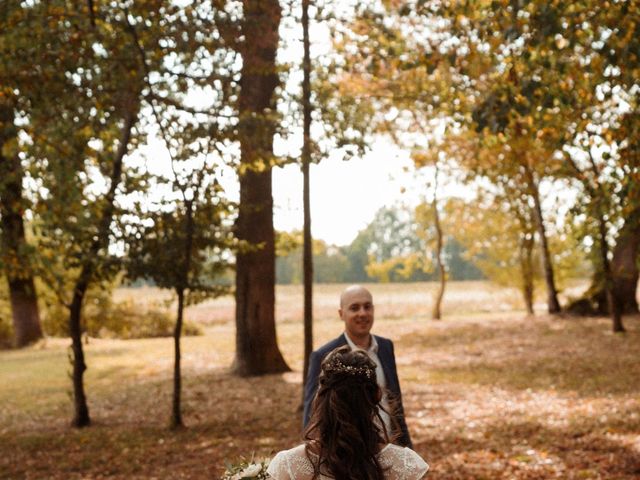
{"x": 307, "y": 260}
{"x": 17, "y": 265}
{"x": 553, "y": 306}
{"x": 436, "y": 313}
{"x": 257, "y": 350}
{"x": 614, "y": 284}
{"x": 24, "y": 309}
{"x": 624, "y": 264}
{"x": 612, "y": 302}
{"x": 176, "y": 409}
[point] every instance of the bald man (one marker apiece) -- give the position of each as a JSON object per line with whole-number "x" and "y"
{"x": 356, "y": 311}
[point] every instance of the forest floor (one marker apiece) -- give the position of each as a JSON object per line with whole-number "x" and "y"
{"x": 489, "y": 392}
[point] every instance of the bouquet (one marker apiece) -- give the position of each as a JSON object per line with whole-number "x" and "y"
{"x": 246, "y": 469}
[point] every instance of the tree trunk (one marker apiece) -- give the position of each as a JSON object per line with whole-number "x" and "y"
{"x": 612, "y": 303}
{"x": 81, "y": 410}
{"x": 553, "y": 306}
{"x": 613, "y": 287}
{"x": 624, "y": 270}
{"x": 624, "y": 266}
{"x": 176, "y": 410}
{"x": 257, "y": 350}
{"x": 101, "y": 241}
{"x": 17, "y": 265}
{"x": 526, "y": 269}
{"x": 307, "y": 260}
{"x": 436, "y": 313}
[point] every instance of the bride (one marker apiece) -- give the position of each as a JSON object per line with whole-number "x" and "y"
{"x": 346, "y": 438}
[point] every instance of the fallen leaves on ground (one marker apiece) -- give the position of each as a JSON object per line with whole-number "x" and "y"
{"x": 499, "y": 397}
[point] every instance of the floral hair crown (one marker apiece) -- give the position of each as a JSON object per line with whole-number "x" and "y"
{"x": 335, "y": 365}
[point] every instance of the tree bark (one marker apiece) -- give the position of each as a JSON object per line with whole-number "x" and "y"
{"x": 257, "y": 350}
{"x": 307, "y": 260}
{"x": 624, "y": 270}
{"x": 81, "y": 416}
{"x": 526, "y": 268}
{"x": 17, "y": 265}
{"x": 612, "y": 303}
{"x": 553, "y": 306}
{"x": 624, "y": 265}
{"x": 613, "y": 287}
{"x": 101, "y": 240}
{"x": 176, "y": 409}
{"x": 436, "y": 313}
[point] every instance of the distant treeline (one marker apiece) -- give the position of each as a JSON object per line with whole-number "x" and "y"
{"x": 387, "y": 250}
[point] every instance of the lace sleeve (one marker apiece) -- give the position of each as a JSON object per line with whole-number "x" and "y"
{"x": 404, "y": 464}
{"x": 278, "y": 468}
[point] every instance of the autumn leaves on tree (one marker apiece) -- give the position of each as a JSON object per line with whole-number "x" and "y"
{"x": 525, "y": 95}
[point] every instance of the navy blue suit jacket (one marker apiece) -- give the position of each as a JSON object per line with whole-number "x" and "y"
{"x": 388, "y": 361}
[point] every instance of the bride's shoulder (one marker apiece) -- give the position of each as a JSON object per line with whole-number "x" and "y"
{"x": 292, "y": 463}
{"x": 391, "y": 449}
{"x": 403, "y": 462}
{"x": 294, "y": 452}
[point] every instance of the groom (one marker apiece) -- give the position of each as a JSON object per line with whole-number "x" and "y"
{"x": 356, "y": 311}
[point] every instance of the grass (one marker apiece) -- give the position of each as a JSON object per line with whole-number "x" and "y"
{"x": 489, "y": 393}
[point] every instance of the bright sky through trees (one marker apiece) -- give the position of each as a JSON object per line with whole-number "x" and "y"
{"x": 345, "y": 194}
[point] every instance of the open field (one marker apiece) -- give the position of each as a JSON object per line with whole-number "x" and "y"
{"x": 489, "y": 393}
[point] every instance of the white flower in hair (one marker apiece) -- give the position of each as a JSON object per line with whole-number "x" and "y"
{"x": 337, "y": 366}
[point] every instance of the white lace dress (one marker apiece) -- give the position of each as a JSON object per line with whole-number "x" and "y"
{"x": 399, "y": 463}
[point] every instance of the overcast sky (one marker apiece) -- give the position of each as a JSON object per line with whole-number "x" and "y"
{"x": 344, "y": 194}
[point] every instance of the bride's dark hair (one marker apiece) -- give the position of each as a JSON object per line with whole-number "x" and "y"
{"x": 346, "y": 432}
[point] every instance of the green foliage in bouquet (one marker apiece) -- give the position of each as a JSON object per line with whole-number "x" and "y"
{"x": 246, "y": 469}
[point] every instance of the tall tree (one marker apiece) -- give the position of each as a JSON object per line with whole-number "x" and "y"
{"x": 257, "y": 349}
{"x": 597, "y": 206}
{"x": 186, "y": 242}
{"x": 19, "y": 92}
{"x": 307, "y": 263}
{"x": 81, "y": 159}
{"x": 183, "y": 246}
{"x": 15, "y": 261}
{"x": 498, "y": 231}
{"x": 436, "y": 312}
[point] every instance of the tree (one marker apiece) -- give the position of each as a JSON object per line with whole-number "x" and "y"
{"x": 16, "y": 261}
{"x": 183, "y": 245}
{"x": 66, "y": 137}
{"x": 598, "y": 198}
{"x": 256, "y": 345}
{"x": 439, "y": 247}
{"x": 306, "y": 161}
{"x": 393, "y": 246}
{"x": 19, "y": 91}
{"x": 498, "y": 232}
{"x": 81, "y": 158}
{"x": 186, "y": 243}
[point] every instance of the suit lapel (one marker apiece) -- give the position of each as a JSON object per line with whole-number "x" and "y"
{"x": 385, "y": 359}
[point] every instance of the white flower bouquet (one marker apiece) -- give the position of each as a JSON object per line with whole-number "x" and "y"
{"x": 246, "y": 469}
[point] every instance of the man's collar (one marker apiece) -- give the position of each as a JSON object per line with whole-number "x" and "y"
{"x": 373, "y": 348}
